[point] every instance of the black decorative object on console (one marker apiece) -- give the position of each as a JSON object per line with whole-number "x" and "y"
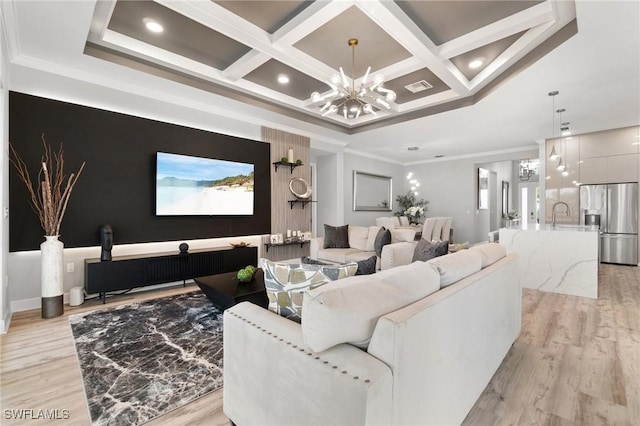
{"x": 106, "y": 242}
{"x": 184, "y": 248}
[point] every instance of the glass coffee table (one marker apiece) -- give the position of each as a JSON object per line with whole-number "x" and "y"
{"x": 224, "y": 290}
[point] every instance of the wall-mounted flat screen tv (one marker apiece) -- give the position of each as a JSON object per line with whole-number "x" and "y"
{"x": 196, "y": 186}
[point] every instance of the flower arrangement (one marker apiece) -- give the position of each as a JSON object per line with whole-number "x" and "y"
{"x": 411, "y": 207}
{"x": 414, "y": 213}
{"x": 511, "y": 215}
{"x": 50, "y": 196}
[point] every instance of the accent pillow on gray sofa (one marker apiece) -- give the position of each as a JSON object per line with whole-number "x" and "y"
{"x": 382, "y": 239}
{"x": 367, "y": 266}
{"x": 336, "y": 236}
{"x": 285, "y": 283}
{"x": 426, "y": 250}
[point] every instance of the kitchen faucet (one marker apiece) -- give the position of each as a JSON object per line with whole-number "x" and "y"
{"x": 553, "y": 212}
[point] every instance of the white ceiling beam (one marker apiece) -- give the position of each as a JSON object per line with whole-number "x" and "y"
{"x": 506, "y": 27}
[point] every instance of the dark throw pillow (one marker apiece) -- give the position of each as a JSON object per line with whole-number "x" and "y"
{"x": 426, "y": 250}
{"x": 382, "y": 239}
{"x": 367, "y": 266}
{"x": 336, "y": 236}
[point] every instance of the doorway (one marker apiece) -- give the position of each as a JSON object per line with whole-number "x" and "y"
{"x": 529, "y": 207}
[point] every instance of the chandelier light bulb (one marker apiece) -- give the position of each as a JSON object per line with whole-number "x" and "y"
{"x": 315, "y": 97}
{"x": 415, "y": 193}
{"x": 335, "y": 79}
{"x": 409, "y": 175}
{"x": 366, "y": 76}
{"x": 345, "y": 82}
{"x": 368, "y": 109}
{"x": 378, "y": 79}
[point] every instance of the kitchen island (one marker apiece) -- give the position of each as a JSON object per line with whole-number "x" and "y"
{"x": 559, "y": 259}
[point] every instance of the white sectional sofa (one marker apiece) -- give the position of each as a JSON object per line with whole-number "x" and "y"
{"x": 416, "y": 344}
{"x": 361, "y": 246}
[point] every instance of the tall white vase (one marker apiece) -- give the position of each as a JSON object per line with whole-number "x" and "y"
{"x": 52, "y": 278}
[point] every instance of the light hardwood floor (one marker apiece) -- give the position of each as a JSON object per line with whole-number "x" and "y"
{"x": 576, "y": 362}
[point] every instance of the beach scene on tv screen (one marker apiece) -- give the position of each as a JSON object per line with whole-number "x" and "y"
{"x": 187, "y": 185}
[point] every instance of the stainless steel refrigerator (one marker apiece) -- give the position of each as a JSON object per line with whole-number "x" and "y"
{"x": 614, "y": 207}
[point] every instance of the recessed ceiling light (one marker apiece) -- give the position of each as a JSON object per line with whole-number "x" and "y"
{"x": 413, "y": 148}
{"x": 476, "y": 63}
{"x": 152, "y": 25}
{"x": 283, "y": 79}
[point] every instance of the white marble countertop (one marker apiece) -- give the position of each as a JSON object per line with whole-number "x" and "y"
{"x": 548, "y": 227}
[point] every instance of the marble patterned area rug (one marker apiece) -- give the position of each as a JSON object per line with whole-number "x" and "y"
{"x": 142, "y": 360}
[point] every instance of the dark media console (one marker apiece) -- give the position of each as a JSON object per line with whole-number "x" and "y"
{"x": 126, "y": 272}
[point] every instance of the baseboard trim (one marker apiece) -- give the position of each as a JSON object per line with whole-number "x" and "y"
{"x": 5, "y": 322}
{"x": 36, "y": 302}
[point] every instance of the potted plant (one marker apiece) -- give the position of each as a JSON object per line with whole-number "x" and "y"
{"x": 49, "y": 196}
{"x": 411, "y": 207}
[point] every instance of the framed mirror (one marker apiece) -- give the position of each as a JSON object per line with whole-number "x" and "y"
{"x": 371, "y": 192}
{"x": 483, "y": 189}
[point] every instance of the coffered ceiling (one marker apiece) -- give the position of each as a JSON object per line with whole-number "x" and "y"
{"x": 215, "y": 66}
{"x": 240, "y": 49}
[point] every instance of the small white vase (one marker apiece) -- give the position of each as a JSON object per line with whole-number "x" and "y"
{"x": 52, "y": 276}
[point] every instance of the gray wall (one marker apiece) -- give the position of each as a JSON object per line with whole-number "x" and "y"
{"x": 450, "y": 186}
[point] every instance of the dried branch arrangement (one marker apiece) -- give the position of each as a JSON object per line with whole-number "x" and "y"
{"x": 50, "y": 197}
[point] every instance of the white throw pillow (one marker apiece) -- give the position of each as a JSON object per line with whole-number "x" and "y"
{"x": 371, "y": 238}
{"x": 358, "y": 237}
{"x": 456, "y": 266}
{"x": 346, "y": 311}
{"x": 490, "y": 253}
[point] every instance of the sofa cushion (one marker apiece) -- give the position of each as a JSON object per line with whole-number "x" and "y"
{"x": 358, "y": 236}
{"x": 382, "y": 239}
{"x": 455, "y": 266}
{"x": 490, "y": 253}
{"x": 336, "y": 236}
{"x": 341, "y": 255}
{"x": 346, "y": 311}
{"x": 426, "y": 250}
{"x": 285, "y": 283}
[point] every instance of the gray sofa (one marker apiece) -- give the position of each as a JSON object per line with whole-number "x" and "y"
{"x": 416, "y": 344}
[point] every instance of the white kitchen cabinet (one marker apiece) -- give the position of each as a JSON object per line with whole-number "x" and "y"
{"x": 609, "y": 142}
{"x": 622, "y": 168}
{"x": 593, "y": 170}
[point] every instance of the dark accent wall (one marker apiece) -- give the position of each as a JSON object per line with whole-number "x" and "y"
{"x": 117, "y": 185}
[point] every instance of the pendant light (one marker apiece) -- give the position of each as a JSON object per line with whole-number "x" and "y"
{"x": 553, "y": 156}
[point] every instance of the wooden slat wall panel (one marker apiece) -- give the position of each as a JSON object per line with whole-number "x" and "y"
{"x": 283, "y": 217}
